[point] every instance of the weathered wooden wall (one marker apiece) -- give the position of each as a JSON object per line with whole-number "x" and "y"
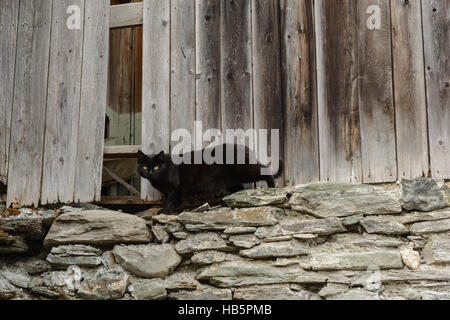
{"x": 353, "y": 103}
{"x": 53, "y": 100}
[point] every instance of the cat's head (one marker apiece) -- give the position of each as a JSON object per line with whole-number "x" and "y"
{"x": 152, "y": 167}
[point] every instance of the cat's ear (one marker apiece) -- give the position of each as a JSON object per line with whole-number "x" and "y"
{"x": 160, "y": 156}
{"x": 141, "y": 156}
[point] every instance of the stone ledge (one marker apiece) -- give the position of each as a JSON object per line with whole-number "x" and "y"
{"x": 316, "y": 241}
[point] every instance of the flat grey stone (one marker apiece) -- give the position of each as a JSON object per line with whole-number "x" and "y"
{"x": 224, "y": 218}
{"x": 424, "y": 194}
{"x": 19, "y": 279}
{"x": 246, "y": 241}
{"x": 355, "y": 294}
{"x": 106, "y": 284}
{"x": 437, "y": 252}
{"x": 62, "y": 262}
{"x": 239, "y": 230}
{"x": 35, "y": 266}
{"x": 326, "y": 200}
{"x": 384, "y": 227}
{"x": 247, "y": 273}
{"x": 98, "y": 227}
{"x": 160, "y": 234}
{"x": 154, "y": 289}
{"x": 256, "y": 198}
{"x": 428, "y": 227}
{"x": 147, "y": 261}
{"x": 273, "y": 292}
{"x": 202, "y": 293}
{"x": 45, "y": 292}
{"x": 278, "y": 249}
{"x": 208, "y": 257}
{"x": 81, "y": 255}
{"x": 293, "y": 226}
{"x": 201, "y": 242}
{"x": 410, "y": 218}
{"x": 7, "y": 290}
{"x": 356, "y": 261}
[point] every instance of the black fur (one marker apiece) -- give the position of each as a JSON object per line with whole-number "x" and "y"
{"x": 176, "y": 182}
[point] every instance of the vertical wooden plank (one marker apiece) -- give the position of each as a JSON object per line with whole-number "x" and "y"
{"x": 88, "y": 181}
{"x": 267, "y": 100}
{"x": 409, "y": 88}
{"x": 63, "y": 107}
{"x": 120, "y": 84}
{"x": 182, "y": 85}
{"x": 376, "y": 97}
{"x": 301, "y": 136}
{"x": 337, "y": 79}
{"x": 155, "y": 84}
{"x": 236, "y": 65}
{"x": 137, "y": 86}
{"x": 436, "y": 22}
{"x": 30, "y": 101}
{"x": 9, "y": 16}
{"x": 208, "y": 64}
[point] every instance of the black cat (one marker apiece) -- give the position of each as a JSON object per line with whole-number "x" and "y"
{"x": 176, "y": 182}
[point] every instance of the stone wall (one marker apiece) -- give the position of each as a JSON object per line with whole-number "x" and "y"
{"x": 316, "y": 241}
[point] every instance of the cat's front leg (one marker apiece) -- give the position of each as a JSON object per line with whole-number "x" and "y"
{"x": 172, "y": 202}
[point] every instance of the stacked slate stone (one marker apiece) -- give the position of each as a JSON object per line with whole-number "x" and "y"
{"x": 314, "y": 241}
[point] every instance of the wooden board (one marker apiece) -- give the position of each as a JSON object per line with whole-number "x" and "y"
{"x": 155, "y": 84}
{"x": 337, "y": 79}
{"x": 267, "y": 101}
{"x": 182, "y": 80}
{"x": 208, "y": 64}
{"x": 436, "y": 22}
{"x": 126, "y": 15}
{"x": 93, "y": 102}
{"x": 376, "y": 98}
{"x": 409, "y": 88}
{"x": 63, "y": 107}
{"x": 236, "y": 65}
{"x": 9, "y": 16}
{"x": 301, "y": 136}
{"x": 120, "y": 87}
{"x": 30, "y": 101}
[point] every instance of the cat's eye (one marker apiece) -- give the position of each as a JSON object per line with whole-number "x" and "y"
{"x": 155, "y": 168}
{"x": 145, "y": 168}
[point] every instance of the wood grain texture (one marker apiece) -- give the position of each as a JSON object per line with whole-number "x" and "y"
{"x": 236, "y": 65}
{"x": 436, "y": 24}
{"x": 88, "y": 180}
{"x": 30, "y": 101}
{"x": 409, "y": 88}
{"x": 340, "y": 140}
{"x": 208, "y": 64}
{"x": 155, "y": 84}
{"x": 9, "y": 18}
{"x": 301, "y": 136}
{"x": 120, "y": 87}
{"x": 182, "y": 85}
{"x": 126, "y": 15}
{"x": 267, "y": 96}
{"x": 63, "y": 107}
{"x": 376, "y": 97}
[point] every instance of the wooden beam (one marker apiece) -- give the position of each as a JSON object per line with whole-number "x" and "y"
{"x": 126, "y": 15}
{"x": 120, "y": 152}
{"x": 122, "y": 182}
